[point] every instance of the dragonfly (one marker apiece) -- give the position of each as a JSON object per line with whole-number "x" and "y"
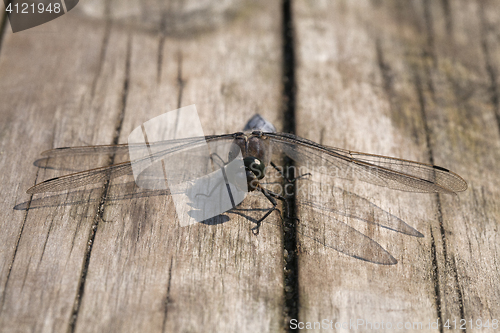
{"x": 259, "y": 143}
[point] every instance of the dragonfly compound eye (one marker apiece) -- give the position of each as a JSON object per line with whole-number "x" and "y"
{"x": 255, "y": 166}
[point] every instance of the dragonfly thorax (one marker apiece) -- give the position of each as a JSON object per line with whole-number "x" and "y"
{"x": 255, "y": 170}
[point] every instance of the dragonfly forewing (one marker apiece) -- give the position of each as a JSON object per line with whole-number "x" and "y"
{"x": 380, "y": 170}
{"x": 101, "y": 174}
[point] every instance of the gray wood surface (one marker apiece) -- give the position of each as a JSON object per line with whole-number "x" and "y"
{"x": 66, "y": 268}
{"x": 412, "y": 81}
{"x": 3, "y": 17}
{"x": 416, "y": 80}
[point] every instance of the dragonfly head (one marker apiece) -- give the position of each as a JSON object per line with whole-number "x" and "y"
{"x": 254, "y": 171}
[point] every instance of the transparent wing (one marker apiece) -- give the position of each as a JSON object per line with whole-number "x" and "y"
{"x": 119, "y": 192}
{"x": 385, "y": 171}
{"x": 82, "y": 178}
{"x": 342, "y": 203}
{"x": 334, "y": 234}
{"x": 87, "y": 157}
{"x": 339, "y": 236}
{"x": 101, "y": 174}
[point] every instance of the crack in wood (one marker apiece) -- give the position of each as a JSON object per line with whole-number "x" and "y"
{"x": 458, "y": 290}
{"x": 3, "y": 27}
{"x": 100, "y": 210}
{"x": 161, "y": 43}
{"x": 490, "y": 70}
{"x": 427, "y": 130}
{"x": 180, "y": 81}
{"x": 16, "y": 247}
{"x": 167, "y": 297}
{"x": 448, "y": 17}
{"x": 435, "y": 266}
{"x": 435, "y": 279}
{"x": 429, "y": 50}
{"x": 291, "y": 279}
{"x": 102, "y": 56}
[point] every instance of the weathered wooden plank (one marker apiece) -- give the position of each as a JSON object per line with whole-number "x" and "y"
{"x": 367, "y": 81}
{"x": 462, "y": 113}
{"x": 2, "y": 17}
{"x": 126, "y": 268}
{"x": 341, "y": 103}
{"x": 44, "y": 92}
{"x": 146, "y": 275}
{"x": 380, "y": 77}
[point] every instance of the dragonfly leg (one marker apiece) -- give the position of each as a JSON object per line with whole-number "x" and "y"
{"x": 277, "y": 196}
{"x": 287, "y": 178}
{"x": 255, "y": 230}
{"x": 271, "y": 196}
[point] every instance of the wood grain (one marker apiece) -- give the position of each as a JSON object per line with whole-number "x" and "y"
{"x": 399, "y": 80}
{"x": 125, "y": 267}
{"x": 3, "y": 17}
{"x": 45, "y": 89}
{"x": 145, "y": 273}
{"x": 417, "y": 80}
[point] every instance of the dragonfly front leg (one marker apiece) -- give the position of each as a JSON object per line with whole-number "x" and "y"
{"x": 271, "y": 196}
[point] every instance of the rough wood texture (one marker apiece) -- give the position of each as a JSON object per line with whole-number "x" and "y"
{"x": 416, "y": 80}
{"x": 2, "y": 17}
{"x": 119, "y": 265}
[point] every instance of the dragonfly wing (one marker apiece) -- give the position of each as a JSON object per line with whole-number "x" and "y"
{"x": 187, "y": 147}
{"x": 409, "y": 175}
{"x": 88, "y": 157}
{"x": 109, "y": 150}
{"x": 82, "y": 178}
{"x": 123, "y": 148}
{"x": 342, "y": 203}
{"x": 385, "y": 171}
{"x": 333, "y": 234}
{"x": 343, "y": 238}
